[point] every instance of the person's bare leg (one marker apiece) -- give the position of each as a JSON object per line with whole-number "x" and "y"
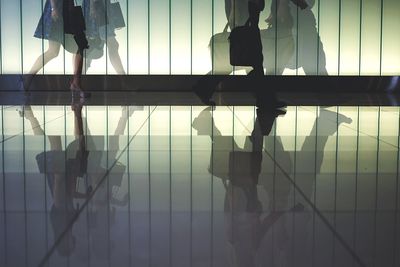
{"x": 114, "y": 56}
{"x": 78, "y": 65}
{"x": 51, "y": 53}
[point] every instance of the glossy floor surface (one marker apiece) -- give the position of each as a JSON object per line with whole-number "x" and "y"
{"x": 195, "y": 186}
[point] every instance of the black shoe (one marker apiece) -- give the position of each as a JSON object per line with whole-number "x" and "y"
{"x": 256, "y": 73}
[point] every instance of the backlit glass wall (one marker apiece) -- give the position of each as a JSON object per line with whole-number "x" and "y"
{"x": 331, "y": 37}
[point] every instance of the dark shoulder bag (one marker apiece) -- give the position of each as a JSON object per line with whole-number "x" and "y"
{"x": 244, "y": 46}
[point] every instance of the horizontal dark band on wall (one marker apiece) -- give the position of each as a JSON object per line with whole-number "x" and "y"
{"x": 219, "y": 83}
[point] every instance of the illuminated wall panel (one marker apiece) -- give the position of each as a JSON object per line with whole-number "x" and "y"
{"x": 11, "y": 52}
{"x": 371, "y": 38}
{"x": 159, "y": 36}
{"x": 201, "y": 34}
{"x": 339, "y": 37}
{"x": 350, "y": 37}
{"x": 138, "y": 28}
{"x": 181, "y": 36}
{"x": 390, "y": 38}
{"x": 329, "y": 29}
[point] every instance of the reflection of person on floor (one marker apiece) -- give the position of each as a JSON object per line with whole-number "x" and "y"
{"x": 245, "y": 226}
{"x": 63, "y": 168}
{"x": 308, "y": 165}
{"x": 56, "y": 21}
{"x": 102, "y": 208}
{"x": 101, "y": 29}
{"x": 61, "y": 174}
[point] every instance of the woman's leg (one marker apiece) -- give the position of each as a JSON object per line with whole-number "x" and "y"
{"x": 114, "y": 56}
{"x": 78, "y": 65}
{"x": 51, "y": 53}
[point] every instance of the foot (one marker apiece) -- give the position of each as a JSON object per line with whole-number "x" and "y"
{"x": 256, "y": 73}
{"x": 326, "y": 114}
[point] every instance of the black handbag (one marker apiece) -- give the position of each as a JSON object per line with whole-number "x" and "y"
{"x": 74, "y": 21}
{"x": 116, "y": 16}
{"x": 245, "y": 45}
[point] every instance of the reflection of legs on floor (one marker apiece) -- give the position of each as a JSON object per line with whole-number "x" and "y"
{"x": 55, "y": 141}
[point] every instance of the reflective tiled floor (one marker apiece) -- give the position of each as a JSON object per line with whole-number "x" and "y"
{"x": 194, "y": 186}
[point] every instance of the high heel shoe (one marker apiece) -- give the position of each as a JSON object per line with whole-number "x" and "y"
{"x": 77, "y": 91}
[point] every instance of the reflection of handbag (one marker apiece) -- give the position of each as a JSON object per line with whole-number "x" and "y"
{"x": 116, "y": 16}
{"x": 244, "y": 167}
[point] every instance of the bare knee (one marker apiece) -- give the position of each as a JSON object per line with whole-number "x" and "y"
{"x": 53, "y": 52}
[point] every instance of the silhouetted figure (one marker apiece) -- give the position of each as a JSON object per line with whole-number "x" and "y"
{"x": 58, "y": 19}
{"x": 62, "y": 169}
{"x": 310, "y": 49}
{"x": 100, "y": 30}
{"x": 82, "y": 160}
{"x": 309, "y": 160}
{"x": 245, "y": 25}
